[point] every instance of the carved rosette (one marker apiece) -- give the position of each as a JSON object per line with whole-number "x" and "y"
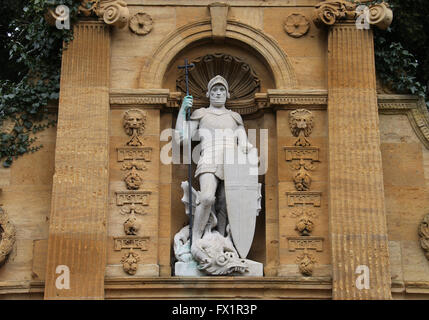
{"x": 328, "y": 13}
{"x": 7, "y": 236}
{"x": 141, "y": 23}
{"x": 424, "y": 235}
{"x": 133, "y": 180}
{"x": 296, "y": 25}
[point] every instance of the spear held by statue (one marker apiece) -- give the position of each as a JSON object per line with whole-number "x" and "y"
{"x": 188, "y": 119}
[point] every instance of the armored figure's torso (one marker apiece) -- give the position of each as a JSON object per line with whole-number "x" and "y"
{"x": 213, "y": 129}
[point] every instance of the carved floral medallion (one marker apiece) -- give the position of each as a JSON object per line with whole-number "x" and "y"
{"x": 141, "y": 23}
{"x": 296, "y": 25}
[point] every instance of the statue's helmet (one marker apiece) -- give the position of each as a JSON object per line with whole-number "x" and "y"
{"x": 218, "y": 80}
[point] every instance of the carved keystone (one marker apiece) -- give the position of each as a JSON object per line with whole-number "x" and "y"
{"x": 219, "y": 15}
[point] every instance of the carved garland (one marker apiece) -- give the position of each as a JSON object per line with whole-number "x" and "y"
{"x": 133, "y": 157}
{"x": 424, "y": 235}
{"x": 303, "y": 158}
{"x": 7, "y": 236}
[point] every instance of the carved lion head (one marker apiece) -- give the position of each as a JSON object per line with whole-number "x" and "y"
{"x": 134, "y": 121}
{"x": 301, "y": 120}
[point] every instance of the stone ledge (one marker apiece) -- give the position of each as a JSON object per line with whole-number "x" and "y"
{"x": 143, "y": 270}
{"x": 209, "y": 288}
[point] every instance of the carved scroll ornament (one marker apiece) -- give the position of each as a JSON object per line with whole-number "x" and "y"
{"x": 113, "y": 12}
{"x": 328, "y": 13}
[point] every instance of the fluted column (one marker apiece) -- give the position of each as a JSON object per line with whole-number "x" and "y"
{"x": 356, "y": 191}
{"x": 77, "y": 232}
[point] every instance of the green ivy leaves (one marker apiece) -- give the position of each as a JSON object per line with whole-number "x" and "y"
{"x": 35, "y": 50}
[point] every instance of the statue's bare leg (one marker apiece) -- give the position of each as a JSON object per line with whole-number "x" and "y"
{"x": 220, "y": 207}
{"x": 208, "y": 185}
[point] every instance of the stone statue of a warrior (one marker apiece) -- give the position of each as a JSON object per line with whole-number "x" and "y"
{"x": 215, "y": 239}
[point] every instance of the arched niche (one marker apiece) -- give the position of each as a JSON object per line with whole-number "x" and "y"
{"x": 239, "y": 33}
{"x": 232, "y": 48}
{"x": 259, "y": 120}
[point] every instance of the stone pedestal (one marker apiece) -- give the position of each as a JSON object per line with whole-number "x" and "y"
{"x": 190, "y": 269}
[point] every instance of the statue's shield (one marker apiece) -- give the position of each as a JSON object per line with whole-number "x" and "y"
{"x": 243, "y": 196}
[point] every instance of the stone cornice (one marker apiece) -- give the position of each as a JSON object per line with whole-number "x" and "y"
{"x": 140, "y": 287}
{"x": 412, "y": 106}
{"x": 330, "y": 12}
{"x": 155, "y": 98}
{"x": 291, "y": 99}
{"x": 275, "y": 99}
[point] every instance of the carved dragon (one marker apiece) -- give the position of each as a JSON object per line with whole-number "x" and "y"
{"x": 214, "y": 253}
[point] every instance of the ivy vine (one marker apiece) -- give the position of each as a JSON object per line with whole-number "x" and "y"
{"x": 35, "y": 50}
{"x": 31, "y": 76}
{"x": 397, "y": 67}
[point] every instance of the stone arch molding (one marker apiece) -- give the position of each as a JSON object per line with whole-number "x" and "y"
{"x": 276, "y": 58}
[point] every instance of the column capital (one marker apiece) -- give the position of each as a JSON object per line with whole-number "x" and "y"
{"x": 329, "y": 12}
{"x": 112, "y": 12}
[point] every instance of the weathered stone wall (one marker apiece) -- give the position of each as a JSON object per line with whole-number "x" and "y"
{"x": 405, "y": 172}
{"x": 143, "y": 73}
{"x": 26, "y": 198}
